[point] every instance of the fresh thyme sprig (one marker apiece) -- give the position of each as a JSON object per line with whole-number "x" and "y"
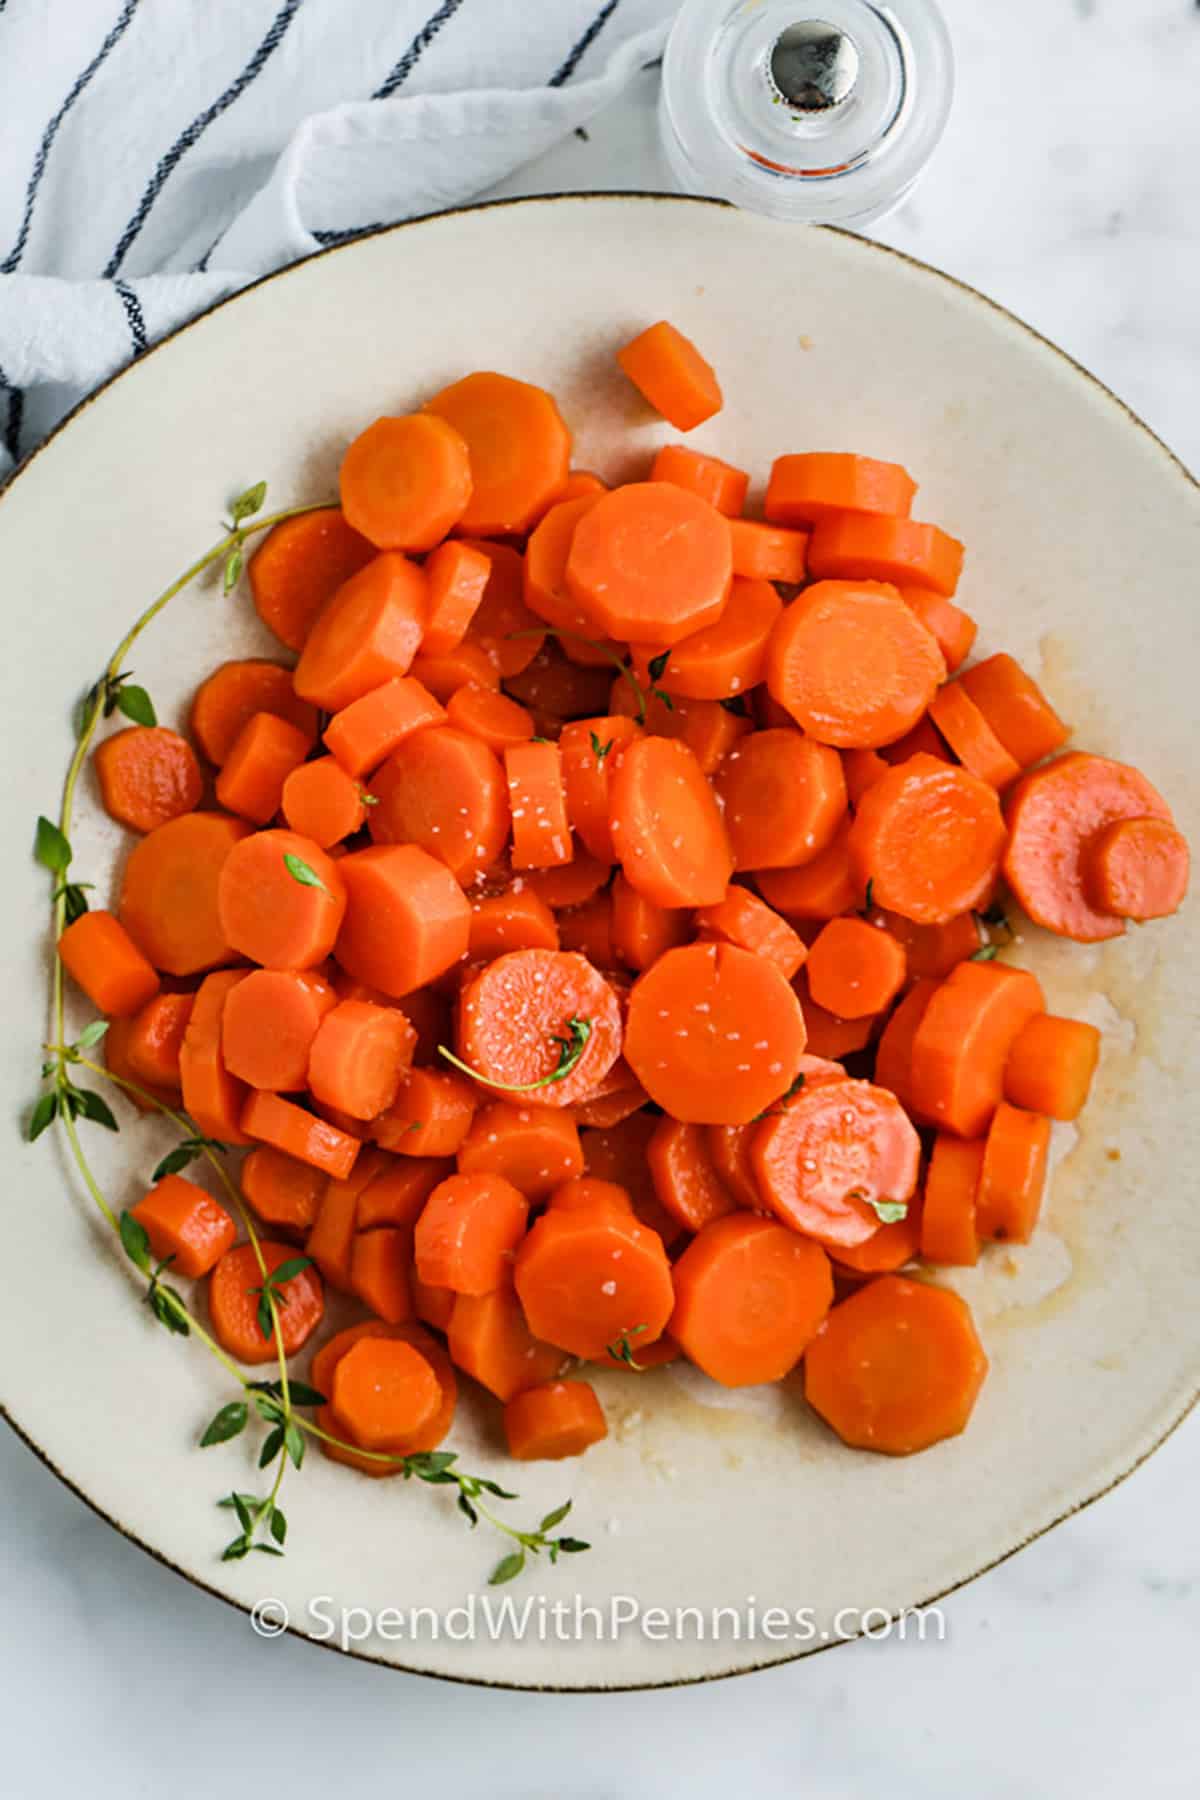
{"x": 656, "y": 669}
{"x": 621, "y": 1349}
{"x": 571, "y": 1047}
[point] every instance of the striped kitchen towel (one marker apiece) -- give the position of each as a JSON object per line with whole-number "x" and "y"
{"x": 155, "y": 155}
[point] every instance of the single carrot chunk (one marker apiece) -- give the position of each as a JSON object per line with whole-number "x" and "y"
{"x": 558, "y": 1419}
{"x": 804, "y": 489}
{"x": 262, "y": 757}
{"x": 830, "y": 1036}
{"x": 503, "y": 631}
{"x": 722, "y": 660}
{"x": 685, "y": 1177}
{"x": 169, "y": 892}
{"x": 467, "y": 1232}
{"x": 213, "y": 1098}
{"x": 830, "y": 1157}
{"x": 749, "y": 1297}
{"x": 517, "y": 1014}
{"x": 98, "y": 953}
{"x": 397, "y": 1193}
{"x": 269, "y": 1024}
{"x": 1016, "y": 709}
{"x": 366, "y": 732}
{"x": 379, "y": 1265}
{"x": 490, "y": 716}
{"x": 928, "y": 838}
{"x": 643, "y": 931}
{"x": 186, "y": 1224}
{"x": 588, "y": 1194}
{"x": 299, "y": 566}
{"x": 743, "y": 919}
{"x": 156, "y": 1039}
{"x": 430, "y": 1117}
{"x": 545, "y": 588}
{"x": 407, "y": 920}
{"x": 541, "y": 833}
{"x": 963, "y": 1043}
{"x": 888, "y": 1249}
{"x": 591, "y": 751}
{"x": 971, "y": 738}
{"x": 1139, "y": 869}
{"x": 320, "y": 801}
{"x": 954, "y": 629}
{"x": 444, "y": 792}
{"x": 587, "y": 930}
{"x": 280, "y": 900}
{"x": 949, "y": 1221}
{"x": 933, "y": 950}
{"x": 820, "y": 889}
{"x": 871, "y": 547}
{"x": 720, "y": 483}
{"x": 536, "y": 1148}
{"x": 385, "y": 1394}
{"x": 650, "y": 563}
{"x": 518, "y": 446}
{"x": 368, "y": 634}
{"x": 468, "y": 666}
{"x": 783, "y": 796}
{"x": 458, "y": 575}
{"x": 729, "y": 1147}
{"x": 271, "y": 1120}
{"x": 232, "y": 695}
{"x": 1050, "y": 1066}
{"x": 147, "y": 775}
{"x": 893, "y": 1057}
{"x": 359, "y": 1056}
{"x": 489, "y": 1339}
{"x": 1013, "y": 1177}
{"x": 577, "y": 1294}
{"x": 339, "y": 1444}
{"x": 670, "y": 373}
{"x": 768, "y": 552}
{"x": 233, "y": 1295}
{"x": 406, "y": 482}
{"x": 283, "y": 1192}
{"x": 667, "y": 829}
{"x": 511, "y": 921}
{"x": 854, "y": 969}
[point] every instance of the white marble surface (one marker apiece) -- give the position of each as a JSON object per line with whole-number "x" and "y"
{"x": 1066, "y": 189}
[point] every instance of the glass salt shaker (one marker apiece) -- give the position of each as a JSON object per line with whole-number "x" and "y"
{"x": 825, "y": 118}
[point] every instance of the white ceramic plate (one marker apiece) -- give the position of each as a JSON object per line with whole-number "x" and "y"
{"x": 1084, "y": 539}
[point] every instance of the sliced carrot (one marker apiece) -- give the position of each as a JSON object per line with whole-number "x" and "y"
{"x": 729, "y": 1148}
{"x": 385, "y": 1395}
{"x": 270, "y": 1020}
{"x": 714, "y": 1034}
{"x": 971, "y": 737}
{"x": 706, "y": 727}
{"x": 407, "y": 920}
{"x": 871, "y": 547}
{"x": 433, "y": 1304}
{"x": 954, "y": 629}
{"x": 517, "y": 1013}
{"x": 1050, "y": 1066}
{"x": 641, "y": 930}
{"x": 233, "y": 1293}
{"x": 852, "y": 664}
{"x": 212, "y": 1098}
{"x": 379, "y": 1265}
{"x": 684, "y": 1175}
{"x": 932, "y": 950}
{"x": 617, "y": 1098}
{"x": 1056, "y": 814}
{"x": 271, "y": 1120}
{"x": 263, "y": 755}
{"x": 768, "y": 552}
{"x": 742, "y": 918}
{"x": 147, "y": 775}
{"x": 298, "y": 568}
{"x": 324, "y": 1372}
{"x": 368, "y": 634}
{"x": 443, "y": 791}
{"x": 1138, "y": 869}
{"x": 536, "y": 1148}
{"x": 783, "y": 796}
{"x": 234, "y": 693}
{"x": 861, "y": 769}
{"x": 541, "y": 833}
{"x": 330, "y": 1243}
{"x": 923, "y": 740}
{"x": 492, "y": 717}
{"x": 489, "y": 1339}
{"x": 588, "y": 1194}
{"x": 115, "y": 1047}
{"x": 1013, "y": 1178}
{"x": 888, "y": 1249}
{"x": 963, "y": 1043}
{"x": 322, "y": 802}
{"x": 397, "y": 1193}
{"x": 804, "y": 489}
{"x": 576, "y": 1293}
{"x": 830, "y": 1035}
{"x": 1016, "y": 709}
{"x": 558, "y": 1419}
{"x": 156, "y": 1038}
{"x": 749, "y": 1297}
{"x": 281, "y": 900}
{"x": 724, "y": 659}
{"x": 366, "y": 732}
{"x": 511, "y": 921}
{"x": 587, "y": 930}
{"x": 283, "y": 1192}
{"x": 650, "y": 563}
{"x": 830, "y": 1155}
{"x": 720, "y": 483}
{"x": 618, "y": 1154}
{"x": 854, "y": 969}
{"x": 896, "y": 1367}
{"x": 359, "y": 1057}
{"x": 468, "y": 666}
{"x": 928, "y": 838}
{"x": 519, "y": 448}
{"x": 580, "y": 482}
{"x": 431, "y": 1115}
{"x": 571, "y": 883}
{"x": 820, "y": 889}
{"x": 467, "y": 1232}
{"x": 457, "y": 575}
{"x": 168, "y": 900}
{"x": 98, "y": 953}
{"x": 546, "y": 556}
{"x": 893, "y": 1058}
{"x": 667, "y": 829}
{"x": 503, "y": 628}
{"x": 185, "y": 1224}
{"x": 949, "y": 1225}
{"x": 670, "y": 373}
{"x": 405, "y": 482}
{"x": 591, "y": 751}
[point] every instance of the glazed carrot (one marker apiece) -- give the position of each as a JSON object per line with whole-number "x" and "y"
{"x": 685, "y": 1178}
{"x": 212, "y": 1097}
{"x": 1138, "y": 869}
{"x": 283, "y": 1192}
{"x": 397, "y": 1193}
{"x": 580, "y": 1296}
{"x": 554, "y": 688}
{"x": 714, "y": 1034}
{"x": 156, "y": 1038}
{"x": 147, "y": 775}
{"x": 430, "y": 1116}
{"x": 359, "y": 1057}
{"x": 861, "y": 770}
{"x": 783, "y": 796}
{"x": 706, "y": 727}
{"x": 115, "y": 1048}
{"x": 932, "y": 950}
{"x": 443, "y": 791}
{"x": 1016, "y": 709}
{"x": 366, "y": 732}
{"x": 379, "y": 1264}
{"x": 511, "y": 921}
{"x": 929, "y": 838}
{"x": 467, "y": 1232}
{"x": 580, "y": 482}
{"x": 457, "y": 575}
{"x": 820, "y": 889}
{"x": 299, "y": 566}
{"x": 923, "y": 740}
{"x": 831, "y": 1155}
{"x": 98, "y": 953}
{"x": 185, "y": 1224}
{"x": 749, "y": 1296}
{"x": 742, "y": 918}
{"x": 406, "y": 921}
{"x": 280, "y": 900}
{"x": 548, "y": 1423}
{"x": 270, "y": 1020}
{"x": 368, "y": 634}
{"x": 1013, "y": 1177}
{"x": 233, "y": 1294}
{"x": 893, "y": 1058}
{"x": 617, "y": 1154}
{"x": 642, "y": 930}
{"x": 852, "y": 664}
{"x": 234, "y": 693}
{"x": 536, "y": 1148}
{"x": 468, "y": 666}
{"x": 855, "y": 969}
{"x": 1050, "y": 1066}
{"x": 546, "y": 557}
{"x": 516, "y": 1014}
{"x": 489, "y": 1339}
{"x": 587, "y": 929}
{"x": 888, "y": 1249}
{"x": 830, "y": 1035}
{"x": 324, "y": 1375}
{"x": 541, "y": 833}
{"x": 322, "y": 802}
{"x": 168, "y": 900}
{"x": 588, "y": 1194}
{"x": 570, "y": 884}
{"x": 729, "y": 1148}
{"x": 870, "y": 547}
{"x": 406, "y": 482}
{"x": 591, "y": 751}
{"x": 1055, "y": 815}
{"x": 670, "y": 373}
{"x": 954, "y": 629}
{"x": 385, "y": 1395}
{"x": 723, "y": 659}
{"x": 650, "y": 563}
{"x": 949, "y": 1225}
{"x": 271, "y": 1120}
{"x": 720, "y": 483}
{"x": 492, "y": 717}
{"x": 617, "y": 1098}
{"x": 263, "y": 755}
{"x": 503, "y": 628}
{"x": 963, "y": 1043}
{"x": 896, "y": 1367}
{"x": 807, "y": 488}
{"x": 341, "y": 1121}
{"x": 435, "y": 1305}
{"x": 971, "y": 737}
{"x": 667, "y": 829}
{"x": 768, "y": 552}
{"x": 519, "y": 449}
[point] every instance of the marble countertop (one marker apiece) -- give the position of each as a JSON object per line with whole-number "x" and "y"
{"x": 1066, "y": 188}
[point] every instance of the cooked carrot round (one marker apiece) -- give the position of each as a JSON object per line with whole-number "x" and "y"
{"x": 270, "y": 1021}
{"x": 511, "y": 921}
{"x": 722, "y": 659}
{"x": 568, "y": 885}
{"x": 706, "y": 727}
{"x": 642, "y": 931}
{"x": 667, "y": 829}
{"x": 492, "y": 717}
{"x": 406, "y": 921}
{"x": 714, "y": 1034}
{"x": 591, "y": 751}
{"x": 168, "y": 899}
{"x": 489, "y": 1339}
{"x": 98, "y": 953}
{"x": 299, "y": 566}
{"x": 1016, "y": 709}
{"x": 852, "y": 664}
{"x": 949, "y": 1225}
{"x": 929, "y": 838}
{"x": 820, "y": 889}
{"x": 518, "y": 446}
{"x": 380, "y": 1272}
{"x": 268, "y": 1119}
{"x": 954, "y": 629}
{"x": 669, "y": 371}
{"x": 280, "y": 900}
{"x": 147, "y": 775}
{"x": 322, "y": 802}
{"x": 467, "y": 1232}
{"x": 324, "y": 1374}
{"x": 893, "y": 1054}
{"x": 855, "y": 969}
{"x": 185, "y": 1224}
{"x": 537, "y": 799}
{"x": 963, "y": 1042}
{"x": 445, "y": 792}
{"x": 263, "y": 755}
{"x": 384, "y": 1394}
{"x": 406, "y": 482}
{"x": 768, "y": 552}
{"x": 1050, "y": 1066}
{"x": 685, "y": 1177}
{"x": 806, "y": 488}
{"x": 971, "y": 738}
{"x": 588, "y": 1194}
{"x": 546, "y": 557}
{"x": 502, "y": 627}
{"x": 1013, "y": 1176}
{"x": 430, "y": 1116}
{"x": 368, "y": 634}
{"x": 359, "y": 1057}
{"x": 234, "y": 693}
{"x": 749, "y": 1297}
{"x": 558, "y": 1419}
{"x": 874, "y": 547}
{"x": 783, "y": 796}
{"x": 831, "y": 1154}
{"x": 743, "y": 919}
{"x": 650, "y": 563}
{"x": 583, "y": 1278}
{"x": 233, "y": 1303}
{"x": 283, "y": 1192}
{"x": 536, "y": 1148}
{"x": 364, "y": 733}
{"x": 524, "y": 1014}
{"x": 1139, "y": 869}
{"x": 722, "y": 485}
{"x": 156, "y": 1038}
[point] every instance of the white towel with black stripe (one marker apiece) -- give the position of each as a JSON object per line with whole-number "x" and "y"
{"x": 155, "y": 155}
